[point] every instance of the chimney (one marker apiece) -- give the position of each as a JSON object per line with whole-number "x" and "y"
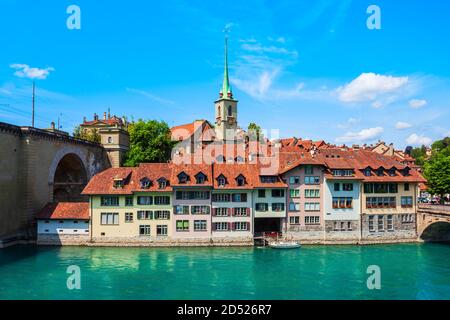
{"x": 53, "y": 126}
{"x": 95, "y": 116}
{"x": 104, "y": 115}
{"x": 84, "y": 120}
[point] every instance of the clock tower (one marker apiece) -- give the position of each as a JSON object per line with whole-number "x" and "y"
{"x": 226, "y": 108}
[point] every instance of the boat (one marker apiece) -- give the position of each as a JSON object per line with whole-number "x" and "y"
{"x": 284, "y": 245}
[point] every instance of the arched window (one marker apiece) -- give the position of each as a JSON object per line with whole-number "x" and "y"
{"x": 218, "y": 111}
{"x": 230, "y": 111}
{"x": 110, "y": 140}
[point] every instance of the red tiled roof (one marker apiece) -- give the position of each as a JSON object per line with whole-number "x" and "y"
{"x": 185, "y": 131}
{"x": 103, "y": 183}
{"x": 109, "y": 122}
{"x": 65, "y": 210}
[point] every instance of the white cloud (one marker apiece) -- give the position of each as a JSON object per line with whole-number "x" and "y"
{"x": 361, "y": 136}
{"x": 348, "y": 123}
{"x": 417, "y": 140}
{"x": 371, "y": 87}
{"x": 25, "y": 71}
{"x": 402, "y": 125}
{"x": 416, "y": 103}
{"x": 256, "y": 47}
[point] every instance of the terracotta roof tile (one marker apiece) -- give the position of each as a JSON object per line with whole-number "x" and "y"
{"x": 65, "y": 210}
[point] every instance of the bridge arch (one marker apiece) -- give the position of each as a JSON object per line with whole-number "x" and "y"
{"x": 68, "y": 175}
{"x": 436, "y": 231}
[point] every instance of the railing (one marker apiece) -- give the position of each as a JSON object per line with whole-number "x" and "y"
{"x": 433, "y": 208}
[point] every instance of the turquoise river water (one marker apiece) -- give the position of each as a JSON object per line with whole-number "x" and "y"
{"x": 408, "y": 271}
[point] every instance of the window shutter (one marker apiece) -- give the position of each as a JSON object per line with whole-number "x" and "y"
{"x": 233, "y": 226}
{"x": 229, "y": 212}
{"x": 230, "y": 226}
{"x": 248, "y": 211}
{"x": 214, "y": 212}
{"x": 248, "y": 226}
{"x": 214, "y": 228}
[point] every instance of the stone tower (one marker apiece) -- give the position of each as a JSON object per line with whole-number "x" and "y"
{"x": 226, "y": 124}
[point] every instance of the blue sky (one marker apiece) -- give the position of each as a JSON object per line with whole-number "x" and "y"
{"x": 311, "y": 69}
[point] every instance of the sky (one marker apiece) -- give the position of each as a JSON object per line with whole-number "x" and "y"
{"x": 310, "y": 69}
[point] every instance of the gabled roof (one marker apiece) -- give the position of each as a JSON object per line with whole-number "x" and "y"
{"x": 64, "y": 211}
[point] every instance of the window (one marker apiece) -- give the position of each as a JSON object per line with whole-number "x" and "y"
{"x": 129, "y": 201}
{"x": 294, "y": 206}
{"x": 349, "y": 226}
{"x": 112, "y": 201}
{"x": 294, "y": 193}
{"x": 110, "y": 140}
{"x": 118, "y": 183}
{"x": 294, "y": 180}
{"x": 162, "y": 183}
{"x": 220, "y": 226}
{"x": 182, "y": 225}
{"x": 312, "y": 180}
{"x": 199, "y": 225}
{"x": 277, "y": 193}
{"x": 406, "y": 187}
{"x": 277, "y": 207}
{"x": 407, "y": 218}
{"x": 200, "y": 209}
{"x": 145, "y": 215}
{"x": 241, "y": 212}
{"x": 312, "y": 193}
{"x": 162, "y": 200}
{"x": 380, "y": 202}
{"x": 407, "y": 202}
{"x": 230, "y": 111}
{"x": 312, "y": 220}
{"x": 145, "y": 183}
{"x": 391, "y": 172}
{"x": 161, "y": 230}
{"x": 181, "y": 209}
{"x": 268, "y": 179}
{"x": 162, "y": 215}
{"x": 371, "y": 223}
{"x": 145, "y": 200}
{"x": 240, "y": 181}
{"x": 144, "y": 230}
{"x": 200, "y": 178}
{"x": 241, "y": 226}
{"x": 380, "y": 172}
{"x": 192, "y": 195}
{"x": 128, "y": 217}
{"x": 367, "y": 172}
{"x": 110, "y": 219}
{"x": 406, "y": 171}
{"x": 294, "y": 220}
{"x": 342, "y": 203}
{"x": 261, "y": 193}
{"x": 312, "y": 206}
{"x": 221, "y": 181}
{"x": 309, "y": 170}
{"x": 183, "y": 178}
{"x": 380, "y": 223}
{"x": 347, "y": 186}
{"x": 221, "y": 212}
{"x": 262, "y": 207}
{"x": 380, "y": 188}
{"x": 221, "y": 197}
{"x": 343, "y": 173}
{"x": 239, "y": 197}
{"x": 390, "y": 223}
{"x": 393, "y": 188}
{"x": 337, "y": 187}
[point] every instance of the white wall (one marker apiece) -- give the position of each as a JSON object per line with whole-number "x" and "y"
{"x": 75, "y": 227}
{"x": 341, "y": 214}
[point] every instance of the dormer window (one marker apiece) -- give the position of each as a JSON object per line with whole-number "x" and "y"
{"x": 380, "y": 172}
{"x": 221, "y": 181}
{"x": 367, "y": 172}
{"x": 145, "y": 183}
{"x": 240, "y": 180}
{"x": 200, "y": 178}
{"x": 239, "y": 159}
{"x": 118, "y": 183}
{"x": 391, "y": 172}
{"x": 183, "y": 178}
{"x": 162, "y": 183}
{"x": 406, "y": 171}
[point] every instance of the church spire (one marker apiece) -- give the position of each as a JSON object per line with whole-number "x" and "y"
{"x": 226, "y": 91}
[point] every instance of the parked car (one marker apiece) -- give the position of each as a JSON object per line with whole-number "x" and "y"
{"x": 423, "y": 200}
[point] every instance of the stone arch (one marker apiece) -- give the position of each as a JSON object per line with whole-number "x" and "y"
{"x": 68, "y": 175}
{"x": 436, "y": 231}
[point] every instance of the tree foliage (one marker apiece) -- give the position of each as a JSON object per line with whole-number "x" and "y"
{"x": 150, "y": 141}
{"x": 437, "y": 173}
{"x": 254, "y": 131}
{"x": 89, "y": 135}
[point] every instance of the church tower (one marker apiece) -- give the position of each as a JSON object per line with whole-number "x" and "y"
{"x": 226, "y": 108}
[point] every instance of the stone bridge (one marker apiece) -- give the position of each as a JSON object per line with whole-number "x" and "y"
{"x": 39, "y": 166}
{"x": 433, "y": 222}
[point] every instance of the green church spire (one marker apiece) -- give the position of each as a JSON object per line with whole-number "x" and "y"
{"x": 226, "y": 91}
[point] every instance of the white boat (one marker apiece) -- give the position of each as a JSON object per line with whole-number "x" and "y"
{"x": 284, "y": 245}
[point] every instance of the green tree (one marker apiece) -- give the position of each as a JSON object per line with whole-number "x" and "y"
{"x": 150, "y": 141}
{"x": 254, "y": 131}
{"x": 89, "y": 135}
{"x": 437, "y": 173}
{"x": 419, "y": 154}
